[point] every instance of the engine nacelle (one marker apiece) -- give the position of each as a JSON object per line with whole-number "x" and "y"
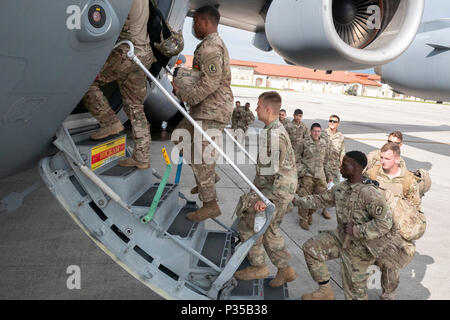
{"x": 422, "y": 71}
{"x": 342, "y": 34}
{"x": 157, "y": 105}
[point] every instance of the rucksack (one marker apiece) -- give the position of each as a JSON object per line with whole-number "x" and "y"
{"x": 164, "y": 41}
{"x": 410, "y": 221}
{"x": 423, "y": 180}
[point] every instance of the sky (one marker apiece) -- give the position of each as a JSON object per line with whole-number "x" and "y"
{"x": 238, "y": 42}
{"x": 240, "y": 47}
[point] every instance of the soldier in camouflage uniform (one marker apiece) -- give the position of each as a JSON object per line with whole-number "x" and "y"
{"x": 277, "y": 180}
{"x": 241, "y": 119}
{"x": 211, "y": 102}
{"x": 335, "y": 152}
{"x": 132, "y": 83}
{"x": 363, "y": 219}
{"x": 236, "y": 110}
{"x": 373, "y": 158}
{"x": 297, "y": 131}
{"x": 313, "y": 170}
{"x": 283, "y": 120}
{"x": 396, "y": 179}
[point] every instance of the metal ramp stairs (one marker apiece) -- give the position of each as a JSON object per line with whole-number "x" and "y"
{"x": 173, "y": 256}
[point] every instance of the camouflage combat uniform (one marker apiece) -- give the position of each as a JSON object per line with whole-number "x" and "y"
{"x": 313, "y": 171}
{"x": 285, "y": 124}
{"x": 390, "y": 277}
{"x": 335, "y": 152}
{"x": 211, "y": 102}
{"x": 242, "y": 118}
{"x": 130, "y": 78}
{"x": 278, "y": 186}
{"x": 297, "y": 133}
{"x": 366, "y": 207}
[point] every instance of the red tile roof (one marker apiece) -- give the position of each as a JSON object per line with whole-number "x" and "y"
{"x": 298, "y": 72}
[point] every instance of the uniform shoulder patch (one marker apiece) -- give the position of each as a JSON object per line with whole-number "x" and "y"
{"x": 212, "y": 68}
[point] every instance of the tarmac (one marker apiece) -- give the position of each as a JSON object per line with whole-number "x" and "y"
{"x": 39, "y": 241}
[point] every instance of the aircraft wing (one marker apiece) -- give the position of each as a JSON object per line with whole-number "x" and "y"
{"x": 326, "y": 34}
{"x": 246, "y": 15}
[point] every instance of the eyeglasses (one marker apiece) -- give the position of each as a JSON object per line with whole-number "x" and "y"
{"x": 333, "y": 121}
{"x": 390, "y": 141}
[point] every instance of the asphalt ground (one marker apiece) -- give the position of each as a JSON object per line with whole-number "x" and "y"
{"x": 39, "y": 241}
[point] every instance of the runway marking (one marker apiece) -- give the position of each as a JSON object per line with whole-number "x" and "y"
{"x": 405, "y": 141}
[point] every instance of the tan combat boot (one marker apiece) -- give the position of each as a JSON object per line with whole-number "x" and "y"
{"x": 326, "y": 214}
{"x": 194, "y": 190}
{"x": 283, "y": 275}
{"x": 304, "y": 223}
{"x": 252, "y": 273}
{"x": 105, "y": 132}
{"x": 130, "y": 162}
{"x": 388, "y": 296}
{"x": 208, "y": 211}
{"x": 325, "y": 292}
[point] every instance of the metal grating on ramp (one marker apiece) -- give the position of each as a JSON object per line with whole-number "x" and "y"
{"x": 146, "y": 199}
{"x": 280, "y": 293}
{"x": 216, "y": 248}
{"x": 182, "y": 226}
{"x": 246, "y": 289}
{"x": 118, "y": 171}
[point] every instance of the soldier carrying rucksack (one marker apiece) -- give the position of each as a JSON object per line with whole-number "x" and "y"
{"x": 403, "y": 195}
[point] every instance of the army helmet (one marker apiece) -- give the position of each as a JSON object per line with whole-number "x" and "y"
{"x": 185, "y": 78}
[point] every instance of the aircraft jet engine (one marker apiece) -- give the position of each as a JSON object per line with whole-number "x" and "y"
{"x": 342, "y": 34}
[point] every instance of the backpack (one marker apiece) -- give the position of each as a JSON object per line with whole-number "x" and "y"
{"x": 164, "y": 41}
{"x": 397, "y": 253}
{"x": 423, "y": 180}
{"x": 410, "y": 222}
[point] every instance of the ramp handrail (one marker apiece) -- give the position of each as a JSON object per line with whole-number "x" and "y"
{"x": 240, "y": 146}
{"x": 240, "y": 254}
{"x": 133, "y": 57}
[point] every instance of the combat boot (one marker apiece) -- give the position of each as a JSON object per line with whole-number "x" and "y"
{"x": 326, "y": 214}
{"x": 194, "y": 190}
{"x": 208, "y": 211}
{"x": 325, "y": 292}
{"x": 252, "y": 273}
{"x": 310, "y": 221}
{"x": 304, "y": 223}
{"x": 388, "y": 296}
{"x": 130, "y": 162}
{"x": 283, "y": 275}
{"x": 105, "y": 132}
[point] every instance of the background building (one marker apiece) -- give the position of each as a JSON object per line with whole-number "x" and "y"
{"x": 301, "y": 79}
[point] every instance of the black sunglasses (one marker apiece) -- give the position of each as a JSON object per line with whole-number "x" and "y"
{"x": 333, "y": 121}
{"x": 390, "y": 141}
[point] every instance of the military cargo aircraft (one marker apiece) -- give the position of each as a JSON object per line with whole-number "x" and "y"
{"x": 51, "y": 53}
{"x": 51, "y": 56}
